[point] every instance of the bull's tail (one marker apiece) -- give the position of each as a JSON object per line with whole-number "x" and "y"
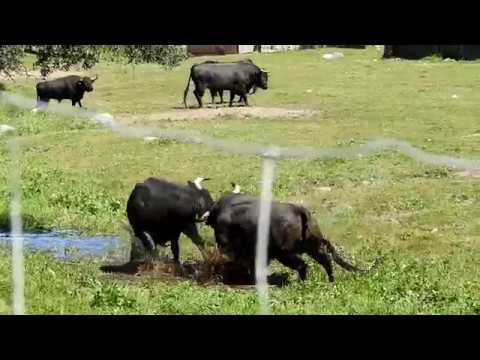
{"x": 186, "y": 90}
{"x": 305, "y": 216}
{"x": 344, "y": 263}
{"x": 310, "y": 229}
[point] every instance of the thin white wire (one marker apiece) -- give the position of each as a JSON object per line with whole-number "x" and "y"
{"x": 18, "y": 270}
{"x": 261, "y": 258}
{"x": 349, "y": 152}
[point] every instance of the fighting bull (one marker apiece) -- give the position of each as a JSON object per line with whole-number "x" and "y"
{"x": 293, "y": 232}
{"x": 159, "y": 211}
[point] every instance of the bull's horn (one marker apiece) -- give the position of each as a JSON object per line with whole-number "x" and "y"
{"x": 205, "y": 216}
{"x": 198, "y": 182}
{"x": 236, "y": 188}
{"x": 94, "y": 78}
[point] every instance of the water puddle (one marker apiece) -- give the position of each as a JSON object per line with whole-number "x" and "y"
{"x": 68, "y": 245}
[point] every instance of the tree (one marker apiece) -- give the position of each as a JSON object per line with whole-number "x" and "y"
{"x": 63, "y": 57}
{"x": 166, "y": 55}
{"x": 10, "y": 58}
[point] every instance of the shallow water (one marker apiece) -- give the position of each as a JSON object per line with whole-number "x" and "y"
{"x": 68, "y": 245}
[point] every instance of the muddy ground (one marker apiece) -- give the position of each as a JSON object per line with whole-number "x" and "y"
{"x": 210, "y": 274}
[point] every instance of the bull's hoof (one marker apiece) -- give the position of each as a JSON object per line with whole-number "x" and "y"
{"x": 179, "y": 269}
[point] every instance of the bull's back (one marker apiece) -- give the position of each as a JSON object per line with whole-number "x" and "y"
{"x": 62, "y": 88}
{"x": 221, "y": 75}
{"x": 160, "y": 202}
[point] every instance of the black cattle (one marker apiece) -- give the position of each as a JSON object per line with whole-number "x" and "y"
{"x": 239, "y": 78}
{"x": 159, "y": 211}
{"x": 71, "y": 87}
{"x": 214, "y": 93}
{"x": 293, "y": 231}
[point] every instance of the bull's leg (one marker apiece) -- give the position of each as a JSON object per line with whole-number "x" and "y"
{"x": 176, "y": 253}
{"x": 212, "y": 94}
{"x": 198, "y": 92}
{"x": 293, "y": 261}
{"x": 232, "y": 95}
{"x": 42, "y": 103}
{"x": 326, "y": 261}
{"x": 221, "y": 96}
{"x": 175, "y": 250}
{"x": 147, "y": 242}
{"x": 80, "y": 103}
{"x": 245, "y": 100}
{"x": 192, "y": 232}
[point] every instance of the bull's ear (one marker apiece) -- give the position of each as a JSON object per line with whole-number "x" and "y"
{"x": 191, "y": 184}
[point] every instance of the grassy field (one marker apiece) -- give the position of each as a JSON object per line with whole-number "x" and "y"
{"x": 423, "y": 219}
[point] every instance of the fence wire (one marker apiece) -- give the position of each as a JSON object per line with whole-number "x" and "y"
{"x": 18, "y": 270}
{"x": 270, "y": 154}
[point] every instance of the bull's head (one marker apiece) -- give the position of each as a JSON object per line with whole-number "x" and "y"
{"x": 86, "y": 83}
{"x": 204, "y": 200}
{"x": 262, "y": 81}
{"x": 205, "y": 217}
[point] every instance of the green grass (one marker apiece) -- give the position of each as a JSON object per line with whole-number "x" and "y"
{"x": 423, "y": 219}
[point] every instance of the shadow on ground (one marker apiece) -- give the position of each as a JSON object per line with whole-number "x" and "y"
{"x": 212, "y": 273}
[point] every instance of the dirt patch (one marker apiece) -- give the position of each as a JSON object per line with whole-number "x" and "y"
{"x": 242, "y": 112}
{"x": 469, "y": 173}
{"x": 216, "y": 271}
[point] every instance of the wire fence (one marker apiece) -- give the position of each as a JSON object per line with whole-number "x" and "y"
{"x": 271, "y": 154}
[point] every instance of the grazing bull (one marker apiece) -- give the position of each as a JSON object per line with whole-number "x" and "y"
{"x": 214, "y": 93}
{"x": 239, "y": 78}
{"x": 159, "y": 211}
{"x": 71, "y": 87}
{"x": 293, "y": 231}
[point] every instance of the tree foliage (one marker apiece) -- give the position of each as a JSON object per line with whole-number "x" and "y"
{"x": 166, "y": 55}
{"x": 10, "y": 58}
{"x": 63, "y": 57}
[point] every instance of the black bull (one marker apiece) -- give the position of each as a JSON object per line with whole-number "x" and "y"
{"x": 71, "y": 87}
{"x": 239, "y": 78}
{"x": 293, "y": 231}
{"x": 214, "y": 93}
{"x": 159, "y": 211}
